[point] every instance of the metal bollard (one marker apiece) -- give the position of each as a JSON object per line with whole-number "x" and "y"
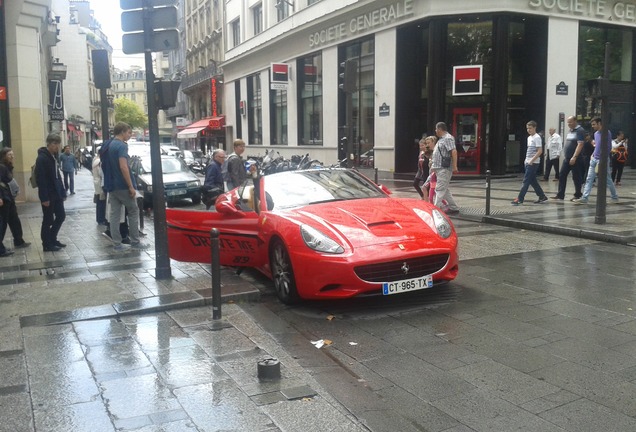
{"x": 376, "y": 175}
{"x": 488, "y": 192}
{"x": 216, "y": 274}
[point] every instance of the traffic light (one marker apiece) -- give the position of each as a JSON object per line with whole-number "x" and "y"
{"x": 348, "y": 76}
{"x": 157, "y": 17}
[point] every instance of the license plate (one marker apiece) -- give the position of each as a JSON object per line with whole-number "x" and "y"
{"x": 405, "y": 285}
{"x": 176, "y": 192}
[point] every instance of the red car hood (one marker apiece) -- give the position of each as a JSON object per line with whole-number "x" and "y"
{"x": 369, "y": 222}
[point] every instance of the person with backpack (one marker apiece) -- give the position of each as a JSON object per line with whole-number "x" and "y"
{"x": 51, "y": 193}
{"x": 619, "y": 157}
{"x": 120, "y": 185}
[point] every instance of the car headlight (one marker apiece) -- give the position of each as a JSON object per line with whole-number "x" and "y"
{"x": 442, "y": 224}
{"x": 438, "y": 221}
{"x": 319, "y": 241}
{"x": 194, "y": 184}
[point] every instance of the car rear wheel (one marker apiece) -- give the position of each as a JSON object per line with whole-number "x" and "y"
{"x": 283, "y": 273}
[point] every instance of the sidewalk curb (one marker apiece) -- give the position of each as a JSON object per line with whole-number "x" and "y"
{"x": 571, "y": 232}
{"x": 161, "y": 303}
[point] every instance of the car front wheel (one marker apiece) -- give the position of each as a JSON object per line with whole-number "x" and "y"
{"x": 283, "y": 273}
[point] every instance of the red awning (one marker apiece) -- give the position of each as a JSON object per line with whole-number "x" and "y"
{"x": 217, "y": 123}
{"x": 190, "y": 132}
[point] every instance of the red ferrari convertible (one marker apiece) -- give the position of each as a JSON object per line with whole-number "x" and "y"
{"x": 322, "y": 233}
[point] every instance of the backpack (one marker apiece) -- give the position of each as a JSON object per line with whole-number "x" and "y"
{"x": 33, "y": 180}
{"x": 224, "y": 170}
{"x": 621, "y": 154}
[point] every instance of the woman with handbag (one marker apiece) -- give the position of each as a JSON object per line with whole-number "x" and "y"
{"x": 619, "y": 157}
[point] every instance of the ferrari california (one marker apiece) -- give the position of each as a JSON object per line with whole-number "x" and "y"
{"x": 322, "y": 234}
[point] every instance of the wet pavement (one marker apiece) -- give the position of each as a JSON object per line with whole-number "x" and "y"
{"x": 91, "y": 341}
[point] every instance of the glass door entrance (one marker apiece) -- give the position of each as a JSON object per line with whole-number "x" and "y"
{"x": 467, "y": 126}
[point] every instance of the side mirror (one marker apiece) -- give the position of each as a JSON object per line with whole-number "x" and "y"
{"x": 227, "y": 208}
{"x": 385, "y": 189}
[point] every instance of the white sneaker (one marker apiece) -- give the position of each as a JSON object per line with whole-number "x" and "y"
{"x": 121, "y": 247}
{"x": 614, "y": 201}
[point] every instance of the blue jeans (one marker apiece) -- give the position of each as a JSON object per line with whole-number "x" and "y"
{"x": 530, "y": 179}
{"x": 591, "y": 176}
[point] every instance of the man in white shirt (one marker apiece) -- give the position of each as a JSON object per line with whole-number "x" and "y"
{"x": 554, "y": 147}
{"x": 533, "y": 154}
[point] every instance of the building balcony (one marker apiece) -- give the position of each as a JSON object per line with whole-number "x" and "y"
{"x": 57, "y": 71}
{"x": 179, "y": 110}
{"x": 199, "y": 77}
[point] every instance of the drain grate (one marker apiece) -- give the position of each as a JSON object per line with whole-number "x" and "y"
{"x": 482, "y": 212}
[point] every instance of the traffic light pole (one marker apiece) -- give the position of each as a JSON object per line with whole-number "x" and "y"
{"x": 601, "y": 190}
{"x": 103, "y": 104}
{"x": 162, "y": 271}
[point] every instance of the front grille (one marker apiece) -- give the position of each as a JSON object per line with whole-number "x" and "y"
{"x": 180, "y": 185}
{"x": 394, "y": 271}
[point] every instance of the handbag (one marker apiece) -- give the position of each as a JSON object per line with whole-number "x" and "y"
{"x": 446, "y": 161}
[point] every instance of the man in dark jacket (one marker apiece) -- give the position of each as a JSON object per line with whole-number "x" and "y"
{"x": 213, "y": 185}
{"x": 51, "y": 193}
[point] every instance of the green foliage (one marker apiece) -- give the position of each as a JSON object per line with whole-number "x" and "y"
{"x": 129, "y": 112}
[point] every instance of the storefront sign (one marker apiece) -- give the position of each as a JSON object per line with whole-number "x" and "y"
{"x": 366, "y": 22}
{"x": 467, "y": 80}
{"x": 56, "y": 100}
{"x": 214, "y": 97}
{"x": 279, "y": 78}
{"x": 610, "y": 10}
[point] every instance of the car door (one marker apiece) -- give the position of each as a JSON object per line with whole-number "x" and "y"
{"x": 240, "y": 244}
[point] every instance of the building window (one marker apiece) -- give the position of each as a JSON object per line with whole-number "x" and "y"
{"x": 257, "y": 13}
{"x": 236, "y": 32}
{"x": 278, "y": 117}
{"x": 282, "y": 9}
{"x": 360, "y": 134}
{"x": 592, "y": 41}
{"x": 310, "y": 100}
{"x": 255, "y": 110}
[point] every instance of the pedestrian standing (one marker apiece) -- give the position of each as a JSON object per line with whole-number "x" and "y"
{"x": 236, "y": 167}
{"x": 572, "y": 160}
{"x": 69, "y": 165}
{"x": 595, "y": 158}
{"x": 619, "y": 157}
{"x": 422, "y": 169}
{"x": 444, "y": 165}
{"x": 553, "y": 150}
{"x": 10, "y": 189}
{"x": 531, "y": 164}
{"x": 99, "y": 197}
{"x": 120, "y": 185}
{"x": 51, "y": 193}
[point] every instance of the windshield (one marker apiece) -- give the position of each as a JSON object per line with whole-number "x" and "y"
{"x": 299, "y": 188}
{"x": 168, "y": 165}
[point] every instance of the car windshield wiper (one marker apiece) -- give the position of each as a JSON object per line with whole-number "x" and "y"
{"x": 329, "y": 200}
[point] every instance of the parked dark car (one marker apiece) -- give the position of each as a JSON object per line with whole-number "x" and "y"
{"x": 178, "y": 181}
